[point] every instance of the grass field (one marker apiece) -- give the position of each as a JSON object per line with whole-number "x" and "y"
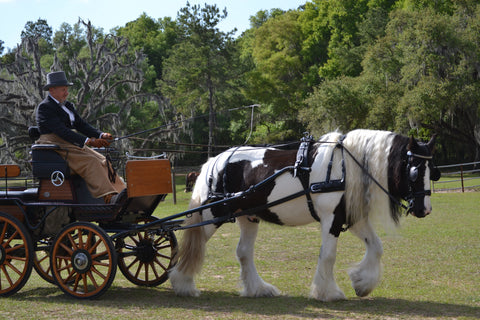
{"x": 431, "y": 271}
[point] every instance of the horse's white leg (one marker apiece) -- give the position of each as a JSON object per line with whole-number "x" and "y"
{"x": 190, "y": 258}
{"x": 366, "y": 275}
{"x": 253, "y": 284}
{"x": 324, "y": 287}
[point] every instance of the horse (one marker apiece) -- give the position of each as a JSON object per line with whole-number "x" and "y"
{"x": 351, "y": 180}
{"x": 190, "y": 179}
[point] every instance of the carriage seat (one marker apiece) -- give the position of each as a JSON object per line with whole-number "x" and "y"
{"x": 44, "y": 158}
{"x": 13, "y": 171}
{"x": 45, "y": 161}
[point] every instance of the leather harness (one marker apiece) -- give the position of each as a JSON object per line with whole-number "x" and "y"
{"x": 303, "y": 168}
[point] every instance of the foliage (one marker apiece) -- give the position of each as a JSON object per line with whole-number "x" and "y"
{"x": 400, "y": 65}
{"x": 106, "y": 79}
{"x": 196, "y": 75}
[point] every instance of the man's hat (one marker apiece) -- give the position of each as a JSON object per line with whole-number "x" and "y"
{"x": 56, "y": 79}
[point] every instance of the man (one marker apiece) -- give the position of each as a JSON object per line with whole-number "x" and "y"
{"x": 60, "y": 124}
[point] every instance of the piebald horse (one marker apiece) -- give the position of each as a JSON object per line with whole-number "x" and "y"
{"x": 370, "y": 173}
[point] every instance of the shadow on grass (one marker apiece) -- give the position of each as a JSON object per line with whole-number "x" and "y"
{"x": 228, "y": 302}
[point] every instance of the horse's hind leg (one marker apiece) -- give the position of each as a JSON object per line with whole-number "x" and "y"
{"x": 324, "y": 287}
{"x": 253, "y": 284}
{"x": 366, "y": 275}
{"x": 190, "y": 257}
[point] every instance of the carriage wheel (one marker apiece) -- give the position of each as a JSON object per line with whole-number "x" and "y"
{"x": 83, "y": 260}
{"x": 16, "y": 255}
{"x": 41, "y": 261}
{"x": 145, "y": 257}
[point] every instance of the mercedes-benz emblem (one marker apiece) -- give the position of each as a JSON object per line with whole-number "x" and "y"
{"x": 57, "y": 178}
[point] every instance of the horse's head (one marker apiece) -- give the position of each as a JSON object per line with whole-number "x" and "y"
{"x": 419, "y": 171}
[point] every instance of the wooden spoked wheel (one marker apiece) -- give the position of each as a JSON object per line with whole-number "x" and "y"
{"x": 83, "y": 260}
{"x": 41, "y": 260}
{"x": 145, "y": 257}
{"x": 16, "y": 255}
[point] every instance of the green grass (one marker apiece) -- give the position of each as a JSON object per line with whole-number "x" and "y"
{"x": 431, "y": 270}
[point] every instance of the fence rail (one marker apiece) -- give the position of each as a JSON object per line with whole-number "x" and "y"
{"x": 455, "y": 177}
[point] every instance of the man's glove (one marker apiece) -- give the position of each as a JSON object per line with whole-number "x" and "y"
{"x": 97, "y": 143}
{"x": 106, "y": 136}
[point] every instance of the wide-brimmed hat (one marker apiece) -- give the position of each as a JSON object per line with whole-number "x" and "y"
{"x": 56, "y": 79}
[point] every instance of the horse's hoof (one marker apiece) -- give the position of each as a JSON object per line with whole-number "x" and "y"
{"x": 264, "y": 291}
{"x": 364, "y": 281}
{"x": 327, "y": 296}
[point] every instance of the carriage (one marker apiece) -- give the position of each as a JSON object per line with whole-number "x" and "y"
{"x": 52, "y": 224}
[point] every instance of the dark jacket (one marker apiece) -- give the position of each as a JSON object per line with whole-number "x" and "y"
{"x": 51, "y": 118}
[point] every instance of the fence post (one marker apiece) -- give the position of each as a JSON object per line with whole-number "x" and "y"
{"x": 461, "y": 178}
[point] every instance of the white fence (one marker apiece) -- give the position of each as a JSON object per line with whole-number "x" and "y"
{"x": 455, "y": 177}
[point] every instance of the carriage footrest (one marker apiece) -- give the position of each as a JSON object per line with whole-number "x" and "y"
{"x": 327, "y": 186}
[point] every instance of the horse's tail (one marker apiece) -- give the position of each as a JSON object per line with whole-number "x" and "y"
{"x": 191, "y": 253}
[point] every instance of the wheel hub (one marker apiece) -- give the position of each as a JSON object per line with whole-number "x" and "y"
{"x": 145, "y": 251}
{"x": 81, "y": 261}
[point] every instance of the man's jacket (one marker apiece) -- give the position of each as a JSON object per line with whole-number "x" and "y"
{"x": 51, "y": 118}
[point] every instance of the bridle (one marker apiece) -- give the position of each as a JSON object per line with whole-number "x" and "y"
{"x": 412, "y": 175}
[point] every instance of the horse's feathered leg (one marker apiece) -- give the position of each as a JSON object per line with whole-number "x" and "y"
{"x": 253, "y": 284}
{"x": 366, "y": 275}
{"x": 324, "y": 287}
{"x": 190, "y": 257}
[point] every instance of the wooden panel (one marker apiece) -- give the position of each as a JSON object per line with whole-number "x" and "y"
{"x": 13, "y": 210}
{"x": 49, "y": 192}
{"x": 9, "y": 170}
{"x": 148, "y": 177}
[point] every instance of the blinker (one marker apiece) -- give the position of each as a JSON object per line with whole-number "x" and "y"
{"x": 413, "y": 174}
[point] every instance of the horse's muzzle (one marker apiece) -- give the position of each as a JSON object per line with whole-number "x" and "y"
{"x": 420, "y": 212}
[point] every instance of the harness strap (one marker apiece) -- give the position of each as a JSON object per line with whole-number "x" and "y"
{"x": 331, "y": 185}
{"x": 304, "y": 173}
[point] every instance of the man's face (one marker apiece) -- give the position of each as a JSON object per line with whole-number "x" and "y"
{"x": 60, "y": 93}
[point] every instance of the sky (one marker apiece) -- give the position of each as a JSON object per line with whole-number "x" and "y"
{"x": 107, "y": 14}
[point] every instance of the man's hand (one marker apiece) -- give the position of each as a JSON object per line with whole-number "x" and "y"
{"x": 97, "y": 143}
{"x": 106, "y": 136}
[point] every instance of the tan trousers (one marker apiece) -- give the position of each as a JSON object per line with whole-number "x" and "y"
{"x": 88, "y": 164}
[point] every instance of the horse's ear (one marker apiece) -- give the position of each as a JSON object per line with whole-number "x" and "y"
{"x": 431, "y": 143}
{"x": 412, "y": 143}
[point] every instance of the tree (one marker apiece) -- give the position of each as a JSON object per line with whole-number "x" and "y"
{"x": 198, "y": 71}
{"x": 276, "y": 80}
{"x": 435, "y": 56}
{"x": 107, "y": 80}
{"x": 154, "y": 37}
{"x": 37, "y": 30}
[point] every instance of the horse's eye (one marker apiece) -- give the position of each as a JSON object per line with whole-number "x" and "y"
{"x": 413, "y": 174}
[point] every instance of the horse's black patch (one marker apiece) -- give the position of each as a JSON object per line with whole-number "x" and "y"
{"x": 238, "y": 176}
{"x": 397, "y": 184}
{"x": 340, "y": 218}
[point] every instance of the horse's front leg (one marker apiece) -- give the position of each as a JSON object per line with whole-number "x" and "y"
{"x": 366, "y": 275}
{"x": 324, "y": 287}
{"x": 253, "y": 284}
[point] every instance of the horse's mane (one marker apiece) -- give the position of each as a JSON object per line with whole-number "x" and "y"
{"x": 364, "y": 199}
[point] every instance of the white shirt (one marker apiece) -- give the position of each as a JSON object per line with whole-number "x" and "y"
{"x": 70, "y": 113}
